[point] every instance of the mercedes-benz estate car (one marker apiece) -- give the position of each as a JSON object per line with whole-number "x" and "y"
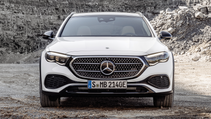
{"x": 106, "y": 54}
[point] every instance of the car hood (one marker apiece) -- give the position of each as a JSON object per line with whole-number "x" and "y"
{"x": 106, "y": 45}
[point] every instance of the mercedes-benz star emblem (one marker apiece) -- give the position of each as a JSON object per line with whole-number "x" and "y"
{"x": 107, "y": 67}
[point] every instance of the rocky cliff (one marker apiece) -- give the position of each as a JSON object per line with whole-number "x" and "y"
{"x": 23, "y": 21}
{"x": 190, "y": 28}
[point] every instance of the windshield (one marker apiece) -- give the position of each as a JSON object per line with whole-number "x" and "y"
{"x": 106, "y": 26}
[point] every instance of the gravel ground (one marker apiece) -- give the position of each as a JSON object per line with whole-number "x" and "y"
{"x": 19, "y": 97}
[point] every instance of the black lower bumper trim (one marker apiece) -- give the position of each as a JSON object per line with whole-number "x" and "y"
{"x": 106, "y": 94}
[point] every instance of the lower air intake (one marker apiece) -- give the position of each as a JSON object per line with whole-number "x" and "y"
{"x": 159, "y": 81}
{"x": 56, "y": 81}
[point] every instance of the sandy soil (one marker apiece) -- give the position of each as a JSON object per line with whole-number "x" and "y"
{"x": 19, "y": 97}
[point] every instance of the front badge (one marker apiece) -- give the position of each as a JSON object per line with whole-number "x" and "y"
{"x": 107, "y": 67}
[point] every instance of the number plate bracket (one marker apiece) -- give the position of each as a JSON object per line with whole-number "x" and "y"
{"x": 100, "y": 84}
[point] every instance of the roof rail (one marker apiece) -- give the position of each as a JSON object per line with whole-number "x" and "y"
{"x": 140, "y": 14}
{"x": 72, "y": 12}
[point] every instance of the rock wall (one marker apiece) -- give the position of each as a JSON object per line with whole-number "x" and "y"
{"x": 190, "y": 28}
{"x": 23, "y": 21}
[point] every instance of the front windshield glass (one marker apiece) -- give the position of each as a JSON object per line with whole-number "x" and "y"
{"x": 106, "y": 25}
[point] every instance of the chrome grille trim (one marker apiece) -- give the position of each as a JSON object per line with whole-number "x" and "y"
{"x": 144, "y": 66}
{"x": 127, "y": 71}
{"x": 86, "y": 63}
{"x": 128, "y": 63}
{"x": 87, "y": 71}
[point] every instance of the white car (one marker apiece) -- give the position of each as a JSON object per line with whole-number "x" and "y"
{"x": 106, "y": 54}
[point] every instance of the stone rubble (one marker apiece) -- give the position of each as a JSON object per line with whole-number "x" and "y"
{"x": 190, "y": 28}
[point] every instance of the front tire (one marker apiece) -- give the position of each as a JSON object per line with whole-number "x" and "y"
{"x": 165, "y": 101}
{"x": 45, "y": 100}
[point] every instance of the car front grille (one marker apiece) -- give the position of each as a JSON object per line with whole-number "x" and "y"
{"x": 90, "y": 67}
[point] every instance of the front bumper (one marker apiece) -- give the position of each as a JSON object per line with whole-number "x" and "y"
{"x": 80, "y": 90}
{"x": 161, "y": 69}
{"x": 63, "y": 93}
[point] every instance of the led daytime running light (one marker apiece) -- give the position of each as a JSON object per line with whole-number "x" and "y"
{"x": 58, "y": 58}
{"x": 156, "y": 58}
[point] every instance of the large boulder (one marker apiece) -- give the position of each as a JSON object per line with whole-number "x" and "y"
{"x": 204, "y": 10}
{"x": 171, "y": 30}
{"x": 197, "y": 7}
{"x": 168, "y": 10}
{"x": 199, "y": 15}
{"x": 183, "y": 7}
{"x": 196, "y": 57}
{"x": 209, "y": 9}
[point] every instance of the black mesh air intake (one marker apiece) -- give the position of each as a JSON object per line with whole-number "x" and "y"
{"x": 159, "y": 81}
{"x": 56, "y": 81}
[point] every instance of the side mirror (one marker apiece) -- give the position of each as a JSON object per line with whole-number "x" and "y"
{"x": 165, "y": 35}
{"x": 48, "y": 35}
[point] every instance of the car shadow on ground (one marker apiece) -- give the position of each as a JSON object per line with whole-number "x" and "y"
{"x": 110, "y": 102}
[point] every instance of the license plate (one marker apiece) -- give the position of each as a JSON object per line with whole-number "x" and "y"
{"x": 94, "y": 84}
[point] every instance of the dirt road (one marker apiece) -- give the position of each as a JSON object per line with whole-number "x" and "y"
{"x": 19, "y": 97}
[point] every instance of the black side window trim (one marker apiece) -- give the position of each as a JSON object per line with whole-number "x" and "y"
{"x": 60, "y": 34}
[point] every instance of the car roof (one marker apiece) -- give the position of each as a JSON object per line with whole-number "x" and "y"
{"x": 138, "y": 14}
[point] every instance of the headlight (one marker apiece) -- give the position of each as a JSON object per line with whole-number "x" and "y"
{"x": 59, "y": 58}
{"x": 160, "y": 57}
